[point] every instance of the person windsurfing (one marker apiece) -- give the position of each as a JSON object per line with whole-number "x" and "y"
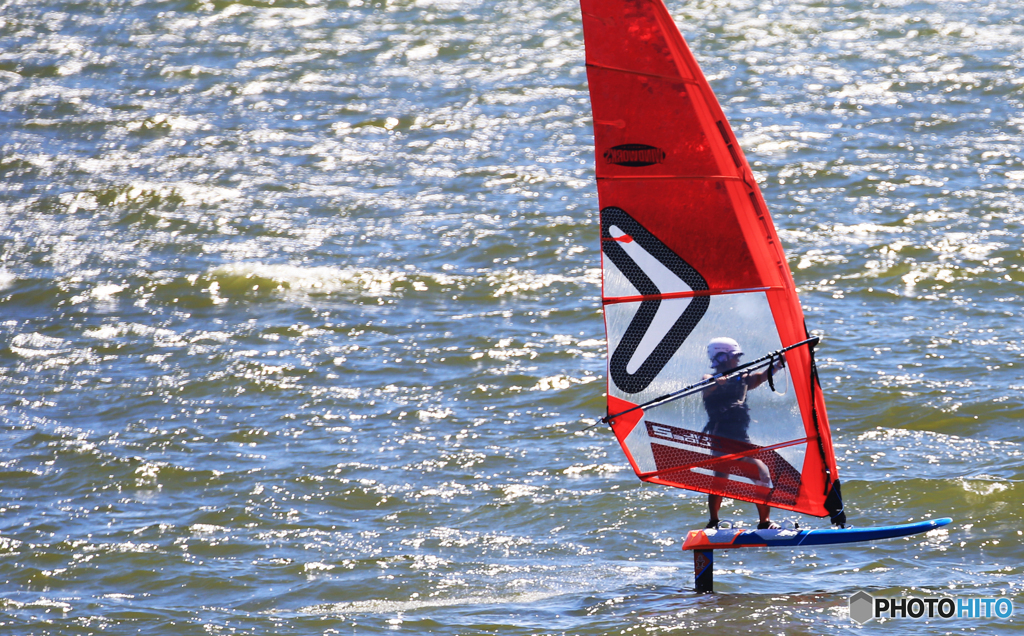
{"x": 725, "y": 401}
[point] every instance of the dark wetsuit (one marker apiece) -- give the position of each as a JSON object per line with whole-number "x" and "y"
{"x": 728, "y": 414}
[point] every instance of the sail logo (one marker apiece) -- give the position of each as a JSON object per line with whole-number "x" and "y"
{"x": 660, "y": 325}
{"x": 634, "y": 155}
{"x": 864, "y": 607}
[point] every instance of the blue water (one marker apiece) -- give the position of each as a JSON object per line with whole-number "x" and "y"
{"x": 300, "y": 325}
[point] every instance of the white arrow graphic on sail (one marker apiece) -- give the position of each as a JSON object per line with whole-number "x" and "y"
{"x": 669, "y": 310}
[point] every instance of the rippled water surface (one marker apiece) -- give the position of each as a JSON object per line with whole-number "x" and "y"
{"x": 300, "y": 323}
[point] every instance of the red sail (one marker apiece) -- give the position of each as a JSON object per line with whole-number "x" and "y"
{"x": 689, "y": 254}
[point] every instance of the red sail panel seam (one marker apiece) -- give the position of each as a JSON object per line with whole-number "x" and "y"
{"x": 670, "y": 78}
{"x": 614, "y": 300}
{"x": 711, "y": 177}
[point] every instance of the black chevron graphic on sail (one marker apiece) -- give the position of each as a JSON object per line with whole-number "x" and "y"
{"x": 619, "y": 229}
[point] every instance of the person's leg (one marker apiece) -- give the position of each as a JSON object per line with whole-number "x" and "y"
{"x": 764, "y": 523}
{"x": 752, "y": 468}
{"x": 714, "y": 504}
{"x": 764, "y": 476}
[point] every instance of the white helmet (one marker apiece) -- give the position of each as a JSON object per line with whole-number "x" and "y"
{"x": 718, "y": 346}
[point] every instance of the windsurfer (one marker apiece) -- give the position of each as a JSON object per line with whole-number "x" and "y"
{"x": 728, "y": 417}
